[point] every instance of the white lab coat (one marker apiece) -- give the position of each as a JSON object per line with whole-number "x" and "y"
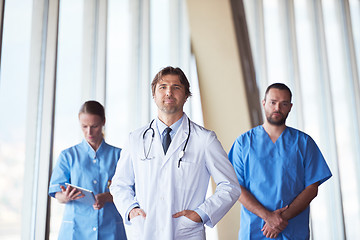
{"x": 161, "y": 188}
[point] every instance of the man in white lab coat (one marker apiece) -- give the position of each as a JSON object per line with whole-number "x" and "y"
{"x": 162, "y": 176}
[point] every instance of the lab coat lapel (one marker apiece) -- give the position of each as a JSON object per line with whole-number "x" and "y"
{"x": 178, "y": 141}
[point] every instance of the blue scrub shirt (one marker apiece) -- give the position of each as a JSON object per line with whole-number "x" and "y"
{"x": 275, "y": 173}
{"x": 82, "y": 166}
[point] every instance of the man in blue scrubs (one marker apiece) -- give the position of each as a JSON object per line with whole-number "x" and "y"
{"x": 279, "y": 169}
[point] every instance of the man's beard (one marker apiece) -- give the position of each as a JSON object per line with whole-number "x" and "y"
{"x": 169, "y": 110}
{"x": 279, "y": 122}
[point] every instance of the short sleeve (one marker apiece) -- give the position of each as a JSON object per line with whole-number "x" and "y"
{"x": 316, "y": 168}
{"x": 60, "y": 175}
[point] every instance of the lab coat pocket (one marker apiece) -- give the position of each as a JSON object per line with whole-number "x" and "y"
{"x": 137, "y": 227}
{"x": 188, "y": 229}
{"x": 188, "y": 174}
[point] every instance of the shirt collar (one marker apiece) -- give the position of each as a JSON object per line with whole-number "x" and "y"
{"x": 90, "y": 150}
{"x": 161, "y": 126}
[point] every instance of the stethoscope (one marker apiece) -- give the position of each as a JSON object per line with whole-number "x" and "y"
{"x": 146, "y": 154}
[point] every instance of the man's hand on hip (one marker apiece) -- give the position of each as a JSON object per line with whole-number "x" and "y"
{"x": 192, "y": 215}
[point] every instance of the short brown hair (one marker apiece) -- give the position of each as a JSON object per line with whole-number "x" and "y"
{"x": 93, "y": 107}
{"x": 279, "y": 86}
{"x": 171, "y": 71}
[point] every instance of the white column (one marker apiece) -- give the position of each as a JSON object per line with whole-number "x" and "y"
{"x": 100, "y": 48}
{"x": 140, "y": 48}
{"x": 88, "y": 50}
{"x": 40, "y": 118}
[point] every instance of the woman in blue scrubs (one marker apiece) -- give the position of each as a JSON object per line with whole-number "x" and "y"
{"x": 90, "y": 165}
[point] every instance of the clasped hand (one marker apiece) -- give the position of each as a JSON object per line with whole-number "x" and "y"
{"x": 274, "y": 223}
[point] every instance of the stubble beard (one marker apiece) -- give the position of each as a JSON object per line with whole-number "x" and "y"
{"x": 279, "y": 122}
{"x": 169, "y": 109}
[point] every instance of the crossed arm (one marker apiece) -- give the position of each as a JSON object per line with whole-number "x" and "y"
{"x": 276, "y": 221}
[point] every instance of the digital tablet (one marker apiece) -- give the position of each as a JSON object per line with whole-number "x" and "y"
{"x": 88, "y": 198}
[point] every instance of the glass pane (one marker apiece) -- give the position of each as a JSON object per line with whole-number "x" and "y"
{"x": 13, "y": 103}
{"x": 308, "y": 67}
{"x": 160, "y": 21}
{"x": 275, "y": 42}
{"x": 314, "y": 108}
{"x": 120, "y": 112}
{"x": 343, "y": 105}
{"x": 68, "y": 90}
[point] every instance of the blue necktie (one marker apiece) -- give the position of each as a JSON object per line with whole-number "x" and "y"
{"x": 167, "y": 139}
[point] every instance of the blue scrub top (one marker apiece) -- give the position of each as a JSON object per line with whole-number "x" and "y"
{"x": 275, "y": 173}
{"x": 82, "y": 166}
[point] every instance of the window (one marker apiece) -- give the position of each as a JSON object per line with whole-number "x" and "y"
{"x": 13, "y": 103}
